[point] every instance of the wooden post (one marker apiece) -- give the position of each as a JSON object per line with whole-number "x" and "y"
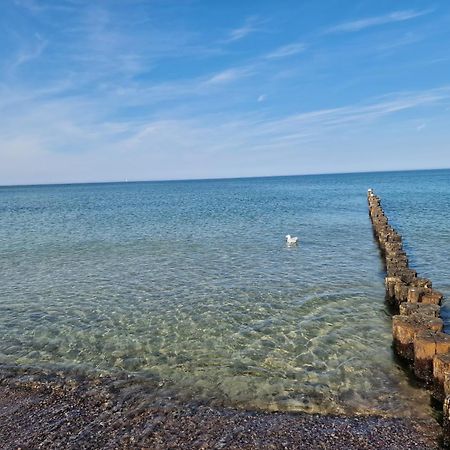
{"x": 424, "y": 351}
{"x": 432, "y": 298}
{"x": 390, "y": 283}
{"x": 422, "y": 282}
{"x": 441, "y": 366}
{"x": 419, "y": 309}
{"x": 404, "y": 330}
{"x": 401, "y": 292}
{"x": 427, "y": 344}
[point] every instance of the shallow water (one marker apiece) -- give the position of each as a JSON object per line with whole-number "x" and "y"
{"x": 190, "y": 282}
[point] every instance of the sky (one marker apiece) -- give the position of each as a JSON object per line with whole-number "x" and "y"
{"x": 109, "y": 90}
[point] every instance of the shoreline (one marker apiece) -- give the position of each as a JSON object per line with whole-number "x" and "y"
{"x": 56, "y": 410}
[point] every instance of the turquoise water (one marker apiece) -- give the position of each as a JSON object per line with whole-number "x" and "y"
{"x": 191, "y": 283}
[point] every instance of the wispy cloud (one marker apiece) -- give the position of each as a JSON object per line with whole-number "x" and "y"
{"x": 404, "y": 40}
{"x": 421, "y": 126}
{"x": 361, "y": 24}
{"x": 229, "y": 75}
{"x": 364, "y": 113}
{"x": 251, "y": 25}
{"x": 50, "y": 133}
{"x": 287, "y": 50}
{"x": 31, "y": 5}
{"x": 98, "y": 42}
{"x": 30, "y": 52}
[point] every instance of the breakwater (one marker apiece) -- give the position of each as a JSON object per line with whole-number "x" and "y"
{"x": 418, "y": 332}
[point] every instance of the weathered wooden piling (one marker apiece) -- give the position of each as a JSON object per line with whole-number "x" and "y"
{"x": 432, "y": 298}
{"x": 441, "y": 375}
{"x": 420, "y": 309}
{"x": 427, "y": 344}
{"x": 414, "y": 294}
{"x": 390, "y": 283}
{"x": 405, "y": 329}
{"x": 441, "y": 391}
{"x": 418, "y": 336}
{"x": 400, "y": 292}
{"x": 446, "y": 422}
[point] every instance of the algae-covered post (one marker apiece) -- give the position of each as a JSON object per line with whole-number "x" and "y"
{"x": 418, "y": 336}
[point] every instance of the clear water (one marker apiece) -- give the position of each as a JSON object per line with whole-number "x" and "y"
{"x": 191, "y": 283}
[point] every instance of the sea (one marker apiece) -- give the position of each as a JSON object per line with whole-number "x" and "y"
{"x": 191, "y": 284}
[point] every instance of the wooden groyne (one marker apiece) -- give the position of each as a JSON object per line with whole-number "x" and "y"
{"x": 418, "y": 331}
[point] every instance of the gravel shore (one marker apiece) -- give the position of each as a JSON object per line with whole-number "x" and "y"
{"x": 42, "y": 411}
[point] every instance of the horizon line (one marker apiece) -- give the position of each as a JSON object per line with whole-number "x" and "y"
{"x": 71, "y": 183}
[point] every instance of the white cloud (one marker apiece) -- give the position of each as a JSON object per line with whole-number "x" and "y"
{"x": 361, "y": 113}
{"x": 421, "y": 126}
{"x": 407, "y": 39}
{"x": 229, "y": 75}
{"x": 29, "y": 53}
{"x": 357, "y": 25}
{"x": 262, "y": 98}
{"x": 287, "y": 50}
{"x": 240, "y": 33}
{"x": 55, "y": 140}
{"x": 30, "y": 5}
{"x": 250, "y": 26}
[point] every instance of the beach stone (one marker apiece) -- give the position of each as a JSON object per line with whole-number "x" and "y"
{"x": 404, "y": 330}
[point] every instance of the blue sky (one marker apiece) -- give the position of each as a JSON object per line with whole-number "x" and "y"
{"x": 146, "y": 90}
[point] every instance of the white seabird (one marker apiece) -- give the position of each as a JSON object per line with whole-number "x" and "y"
{"x": 291, "y": 240}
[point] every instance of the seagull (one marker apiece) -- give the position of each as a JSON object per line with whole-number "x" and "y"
{"x": 291, "y": 240}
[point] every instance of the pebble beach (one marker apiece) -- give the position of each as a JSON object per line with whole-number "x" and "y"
{"x": 59, "y": 411}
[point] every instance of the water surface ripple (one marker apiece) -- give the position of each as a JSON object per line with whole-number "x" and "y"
{"x": 191, "y": 283}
